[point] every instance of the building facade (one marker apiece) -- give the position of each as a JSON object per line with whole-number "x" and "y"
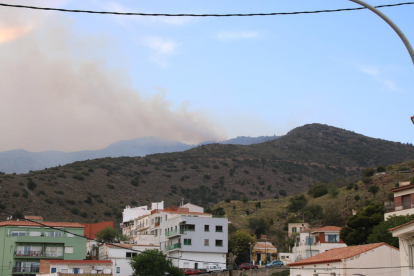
{"x": 403, "y": 201}
{"x": 405, "y": 234}
{"x": 70, "y": 267}
{"x": 25, "y": 243}
{"x": 296, "y": 228}
{"x": 263, "y": 252}
{"x": 315, "y": 241}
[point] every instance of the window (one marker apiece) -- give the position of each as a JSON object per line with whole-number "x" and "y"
{"x": 219, "y": 228}
{"x": 219, "y": 242}
{"x": 187, "y": 241}
{"x": 53, "y": 270}
{"x": 53, "y": 234}
{"x": 190, "y": 227}
{"x": 69, "y": 249}
{"x": 206, "y": 242}
{"x": 309, "y": 241}
{"x": 118, "y": 269}
{"x": 54, "y": 251}
{"x": 282, "y": 257}
{"x": 35, "y": 234}
{"x": 300, "y": 229}
{"x": 206, "y": 228}
{"x": 331, "y": 238}
{"x": 64, "y": 271}
{"x": 294, "y": 230}
{"x": 18, "y": 233}
{"x": 128, "y": 255}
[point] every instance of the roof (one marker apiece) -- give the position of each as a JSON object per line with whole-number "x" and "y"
{"x": 401, "y": 226}
{"x": 337, "y": 254}
{"x": 327, "y": 228}
{"x": 179, "y": 212}
{"x": 43, "y": 224}
{"x": 402, "y": 188}
{"x": 129, "y": 246}
{"x": 34, "y": 217}
{"x": 79, "y": 261}
{"x": 264, "y": 245}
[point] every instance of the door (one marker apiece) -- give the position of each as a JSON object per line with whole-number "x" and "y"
{"x": 75, "y": 270}
{"x": 258, "y": 257}
{"x": 406, "y": 202}
{"x": 196, "y": 265}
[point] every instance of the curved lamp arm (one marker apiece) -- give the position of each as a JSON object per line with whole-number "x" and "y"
{"x": 392, "y": 24}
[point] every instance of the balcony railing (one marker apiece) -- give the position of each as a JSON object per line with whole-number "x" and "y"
{"x": 157, "y": 224}
{"x": 29, "y": 254}
{"x": 174, "y": 233}
{"x": 173, "y": 246}
{"x": 25, "y": 269}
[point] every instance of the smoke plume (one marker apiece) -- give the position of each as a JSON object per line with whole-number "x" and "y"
{"x": 57, "y": 92}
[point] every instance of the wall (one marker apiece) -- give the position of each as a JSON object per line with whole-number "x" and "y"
{"x": 400, "y": 213}
{"x": 254, "y": 272}
{"x": 91, "y": 228}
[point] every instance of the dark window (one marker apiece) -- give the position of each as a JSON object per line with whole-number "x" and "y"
{"x": 206, "y": 228}
{"x": 219, "y": 242}
{"x": 187, "y": 241}
{"x": 219, "y": 228}
{"x": 190, "y": 227}
{"x": 128, "y": 254}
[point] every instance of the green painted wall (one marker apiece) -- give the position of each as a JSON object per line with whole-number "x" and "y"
{"x": 8, "y": 245}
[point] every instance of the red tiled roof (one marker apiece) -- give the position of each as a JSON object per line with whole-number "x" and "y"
{"x": 327, "y": 228}
{"x": 267, "y": 245}
{"x": 398, "y": 227}
{"x": 33, "y": 217}
{"x": 337, "y": 254}
{"x": 179, "y": 212}
{"x": 402, "y": 188}
{"x": 79, "y": 261}
{"x": 47, "y": 223}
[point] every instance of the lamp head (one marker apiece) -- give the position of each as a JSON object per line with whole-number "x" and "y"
{"x": 412, "y": 119}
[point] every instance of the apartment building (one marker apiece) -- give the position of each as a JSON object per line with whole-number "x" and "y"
{"x": 315, "y": 241}
{"x": 70, "y": 267}
{"x": 24, "y": 243}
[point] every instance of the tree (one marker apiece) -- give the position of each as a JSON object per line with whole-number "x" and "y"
{"x": 367, "y": 179}
{"x": 244, "y": 199}
{"x": 360, "y": 226}
{"x": 332, "y": 217}
{"x": 297, "y": 203}
{"x": 239, "y": 244}
{"x": 357, "y": 197}
{"x": 381, "y": 169}
{"x": 312, "y": 212}
{"x": 153, "y": 263}
{"x": 318, "y": 189}
{"x": 110, "y": 235}
{"x": 333, "y": 191}
{"x": 282, "y": 192}
{"x": 373, "y": 190}
{"x": 31, "y": 185}
{"x": 368, "y": 172}
{"x": 380, "y": 232}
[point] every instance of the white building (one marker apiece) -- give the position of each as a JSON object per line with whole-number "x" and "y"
{"x": 353, "y": 260}
{"x": 315, "y": 241}
{"x": 403, "y": 201}
{"x": 296, "y": 228}
{"x": 120, "y": 256}
{"x": 53, "y": 267}
{"x": 286, "y": 258}
{"x": 405, "y": 233}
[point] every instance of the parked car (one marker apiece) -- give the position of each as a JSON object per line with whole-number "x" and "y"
{"x": 275, "y": 263}
{"x": 212, "y": 268}
{"x": 192, "y": 271}
{"x": 247, "y": 266}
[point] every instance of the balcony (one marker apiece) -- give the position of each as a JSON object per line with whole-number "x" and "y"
{"x": 26, "y": 269}
{"x": 157, "y": 224}
{"x": 173, "y": 246}
{"x": 38, "y": 254}
{"x": 174, "y": 233}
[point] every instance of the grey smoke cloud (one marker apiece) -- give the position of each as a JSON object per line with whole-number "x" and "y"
{"x": 56, "y": 93}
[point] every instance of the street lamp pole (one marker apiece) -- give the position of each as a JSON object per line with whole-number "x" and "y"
{"x": 392, "y": 24}
{"x": 250, "y": 247}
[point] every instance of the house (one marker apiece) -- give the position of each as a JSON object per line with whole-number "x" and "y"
{"x": 120, "y": 255}
{"x": 403, "y": 201}
{"x": 405, "y": 233}
{"x": 368, "y": 259}
{"x": 296, "y": 228}
{"x": 286, "y": 258}
{"x": 315, "y": 241}
{"x": 25, "y": 243}
{"x": 70, "y": 267}
{"x": 263, "y": 252}
{"x": 89, "y": 232}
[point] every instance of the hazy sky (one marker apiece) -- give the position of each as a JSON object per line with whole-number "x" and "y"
{"x": 80, "y": 81}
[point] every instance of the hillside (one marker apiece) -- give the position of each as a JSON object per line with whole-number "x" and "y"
{"x": 99, "y": 189}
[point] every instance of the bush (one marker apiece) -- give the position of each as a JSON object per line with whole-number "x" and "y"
{"x": 78, "y": 177}
{"x": 367, "y": 179}
{"x": 110, "y": 186}
{"x": 244, "y": 199}
{"x": 216, "y": 167}
{"x": 61, "y": 175}
{"x": 74, "y": 211}
{"x": 107, "y": 213}
{"x": 357, "y": 197}
{"x": 318, "y": 189}
{"x": 31, "y": 185}
{"x": 282, "y": 192}
{"x": 84, "y": 214}
{"x": 99, "y": 200}
{"x": 207, "y": 176}
{"x": 368, "y": 172}
{"x": 350, "y": 186}
{"x": 297, "y": 203}
{"x": 227, "y": 200}
{"x": 49, "y": 200}
{"x": 90, "y": 170}
{"x": 381, "y": 169}
{"x": 41, "y": 192}
{"x": 16, "y": 194}
{"x": 88, "y": 200}
{"x": 70, "y": 201}
{"x": 85, "y": 173}
{"x": 356, "y": 187}
{"x": 333, "y": 191}
{"x": 373, "y": 189}
{"x": 135, "y": 182}
{"x": 246, "y": 171}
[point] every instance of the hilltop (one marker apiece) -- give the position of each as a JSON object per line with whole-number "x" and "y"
{"x": 99, "y": 189}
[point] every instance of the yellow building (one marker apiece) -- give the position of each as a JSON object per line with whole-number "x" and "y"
{"x": 263, "y": 251}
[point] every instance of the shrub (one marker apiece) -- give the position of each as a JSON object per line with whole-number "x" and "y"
{"x": 246, "y": 171}
{"x": 333, "y": 191}
{"x": 194, "y": 167}
{"x": 59, "y": 192}
{"x": 110, "y": 186}
{"x": 381, "y": 169}
{"x": 367, "y": 179}
{"x": 207, "y": 176}
{"x": 16, "y": 194}
{"x": 373, "y": 189}
{"x": 244, "y": 199}
{"x": 134, "y": 203}
{"x": 227, "y": 200}
{"x": 78, "y": 177}
{"x": 25, "y": 194}
{"x": 41, "y": 192}
{"x": 31, "y": 185}
{"x": 350, "y": 186}
{"x": 216, "y": 167}
{"x": 49, "y": 200}
{"x": 357, "y": 197}
{"x": 318, "y": 189}
{"x": 88, "y": 200}
{"x": 135, "y": 182}
{"x": 282, "y": 192}
{"x": 356, "y": 187}
{"x": 297, "y": 203}
{"x": 90, "y": 170}
{"x": 74, "y": 211}
{"x": 99, "y": 200}
{"x": 368, "y": 172}
{"x": 107, "y": 213}
{"x": 85, "y": 173}
{"x": 84, "y": 214}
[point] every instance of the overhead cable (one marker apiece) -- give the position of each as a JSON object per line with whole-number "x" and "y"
{"x": 198, "y": 15}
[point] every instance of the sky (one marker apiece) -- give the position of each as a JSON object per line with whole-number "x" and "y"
{"x": 81, "y": 81}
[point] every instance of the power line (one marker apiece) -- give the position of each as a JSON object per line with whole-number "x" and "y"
{"x": 198, "y": 15}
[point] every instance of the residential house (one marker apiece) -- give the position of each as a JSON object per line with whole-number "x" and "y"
{"x": 368, "y": 259}
{"x": 130, "y": 214}
{"x": 263, "y": 252}
{"x": 403, "y": 201}
{"x": 120, "y": 255}
{"x": 296, "y": 228}
{"x": 70, "y": 267}
{"x": 405, "y": 233}
{"x": 25, "y": 243}
{"x": 287, "y": 258}
{"x": 89, "y": 232}
{"x": 315, "y": 241}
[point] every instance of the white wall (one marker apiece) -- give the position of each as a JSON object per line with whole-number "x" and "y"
{"x": 203, "y": 259}
{"x": 193, "y": 208}
{"x": 132, "y": 213}
{"x": 399, "y": 213}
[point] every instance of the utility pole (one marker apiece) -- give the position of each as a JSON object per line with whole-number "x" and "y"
{"x": 231, "y": 264}
{"x": 310, "y": 244}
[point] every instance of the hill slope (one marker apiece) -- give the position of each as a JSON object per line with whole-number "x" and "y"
{"x": 99, "y": 189}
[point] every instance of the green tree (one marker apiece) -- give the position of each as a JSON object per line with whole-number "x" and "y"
{"x": 244, "y": 199}
{"x": 368, "y": 172}
{"x": 312, "y": 212}
{"x": 357, "y": 197}
{"x": 153, "y": 263}
{"x": 297, "y": 203}
{"x": 110, "y": 235}
{"x": 31, "y": 185}
{"x": 239, "y": 245}
{"x": 380, "y": 232}
{"x": 333, "y": 191}
{"x": 332, "y": 216}
{"x": 381, "y": 169}
{"x": 373, "y": 190}
{"x": 360, "y": 226}
{"x": 367, "y": 179}
{"x": 318, "y": 189}
{"x": 259, "y": 226}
